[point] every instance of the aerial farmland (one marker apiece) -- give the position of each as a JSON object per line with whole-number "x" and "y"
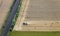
{"x": 40, "y": 15}
{"x": 29, "y": 17}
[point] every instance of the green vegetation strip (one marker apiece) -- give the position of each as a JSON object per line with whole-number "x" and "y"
{"x": 14, "y": 20}
{"x": 34, "y": 33}
{"x": 16, "y": 16}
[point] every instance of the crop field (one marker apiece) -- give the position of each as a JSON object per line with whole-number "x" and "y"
{"x": 4, "y": 9}
{"x": 39, "y": 15}
{"x": 34, "y": 33}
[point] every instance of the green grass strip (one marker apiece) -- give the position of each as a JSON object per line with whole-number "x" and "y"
{"x": 34, "y": 33}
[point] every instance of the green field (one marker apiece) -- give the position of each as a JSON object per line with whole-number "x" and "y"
{"x": 32, "y": 33}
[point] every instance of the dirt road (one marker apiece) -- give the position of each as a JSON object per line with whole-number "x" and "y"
{"x": 22, "y": 15}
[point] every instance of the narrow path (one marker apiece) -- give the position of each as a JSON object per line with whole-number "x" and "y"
{"x": 22, "y": 15}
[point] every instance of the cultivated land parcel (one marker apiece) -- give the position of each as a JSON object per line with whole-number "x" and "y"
{"x": 42, "y": 16}
{"x": 4, "y": 9}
